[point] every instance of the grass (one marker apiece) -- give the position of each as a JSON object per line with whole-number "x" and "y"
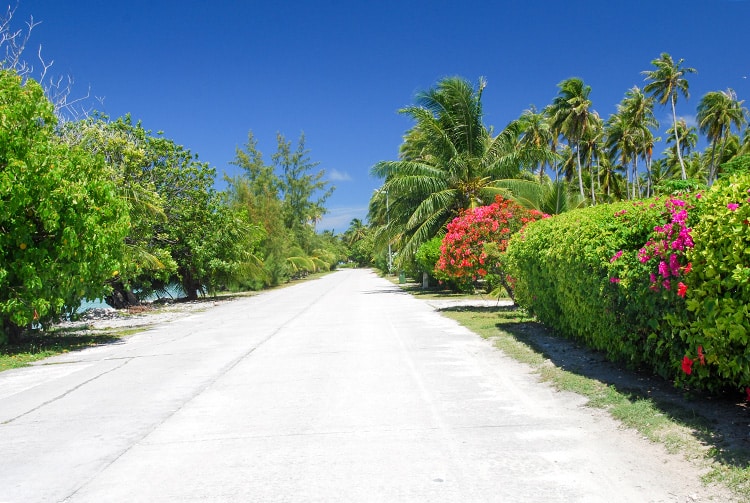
{"x": 671, "y": 418}
{"x": 38, "y": 346}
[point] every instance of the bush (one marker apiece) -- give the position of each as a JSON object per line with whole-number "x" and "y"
{"x": 663, "y": 283}
{"x": 473, "y": 247}
{"x": 582, "y": 273}
{"x": 716, "y": 328}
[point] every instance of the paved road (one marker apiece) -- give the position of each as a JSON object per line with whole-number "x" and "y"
{"x": 338, "y": 389}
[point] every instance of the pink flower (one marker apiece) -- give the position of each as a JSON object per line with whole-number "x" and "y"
{"x": 614, "y": 280}
{"x": 733, "y": 206}
{"x": 616, "y": 256}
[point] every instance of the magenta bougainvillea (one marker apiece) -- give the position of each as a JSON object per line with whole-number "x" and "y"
{"x": 464, "y": 255}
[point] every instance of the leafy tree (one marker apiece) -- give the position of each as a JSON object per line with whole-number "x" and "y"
{"x": 665, "y": 83}
{"x": 286, "y": 199}
{"x": 62, "y": 221}
{"x": 303, "y": 192}
{"x": 131, "y": 153}
{"x": 718, "y": 111}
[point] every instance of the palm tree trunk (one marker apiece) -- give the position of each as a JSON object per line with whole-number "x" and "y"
{"x": 711, "y": 173}
{"x": 580, "y": 176}
{"x": 677, "y": 140}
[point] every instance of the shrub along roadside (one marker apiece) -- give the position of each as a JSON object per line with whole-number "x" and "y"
{"x": 661, "y": 283}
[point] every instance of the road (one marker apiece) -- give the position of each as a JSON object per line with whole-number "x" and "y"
{"x": 338, "y": 389}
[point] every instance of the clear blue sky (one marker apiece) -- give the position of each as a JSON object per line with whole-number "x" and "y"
{"x": 207, "y": 72}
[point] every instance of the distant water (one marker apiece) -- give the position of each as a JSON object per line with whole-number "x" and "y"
{"x": 174, "y": 291}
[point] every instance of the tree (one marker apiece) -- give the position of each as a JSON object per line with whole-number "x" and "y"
{"x": 718, "y": 111}
{"x": 537, "y": 137}
{"x": 61, "y": 220}
{"x": 303, "y": 192}
{"x": 572, "y": 116}
{"x": 129, "y": 151}
{"x": 664, "y": 84}
{"x": 638, "y": 111}
{"x": 449, "y": 162}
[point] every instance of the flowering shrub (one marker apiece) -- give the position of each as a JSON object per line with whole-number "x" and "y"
{"x": 580, "y": 273}
{"x": 663, "y": 283}
{"x": 715, "y": 327}
{"x": 475, "y": 241}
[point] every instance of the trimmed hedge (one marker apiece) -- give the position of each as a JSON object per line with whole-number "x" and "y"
{"x": 626, "y": 279}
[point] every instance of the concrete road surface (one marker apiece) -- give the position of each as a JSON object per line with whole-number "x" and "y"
{"x": 341, "y": 389}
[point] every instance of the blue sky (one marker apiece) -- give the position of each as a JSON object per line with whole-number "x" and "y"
{"x": 207, "y": 72}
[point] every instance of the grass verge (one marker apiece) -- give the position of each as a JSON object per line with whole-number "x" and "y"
{"x": 37, "y": 346}
{"x": 718, "y": 441}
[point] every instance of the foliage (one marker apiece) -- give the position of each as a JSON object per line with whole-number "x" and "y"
{"x": 716, "y": 329}
{"x": 661, "y": 283}
{"x": 738, "y": 165}
{"x": 62, "y": 221}
{"x": 428, "y": 255}
{"x": 567, "y": 277}
{"x": 464, "y": 250}
{"x": 449, "y": 162}
{"x": 285, "y": 199}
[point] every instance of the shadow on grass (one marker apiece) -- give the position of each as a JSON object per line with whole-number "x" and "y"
{"x": 36, "y": 346}
{"x": 720, "y": 422}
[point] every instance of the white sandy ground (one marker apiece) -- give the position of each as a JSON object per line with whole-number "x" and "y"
{"x": 339, "y": 389}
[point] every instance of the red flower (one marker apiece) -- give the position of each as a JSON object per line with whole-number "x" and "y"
{"x": 701, "y": 356}
{"x": 687, "y": 268}
{"x": 682, "y": 289}
{"x": 687, "y": 365}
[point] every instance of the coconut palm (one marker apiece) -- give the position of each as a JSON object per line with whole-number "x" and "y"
{"x": 718, "y": 111}
{"x": 684, "y": 136}
{"x": 571, "y": 116}
{"x": 450, "y": 161}
{"x": 638, "y": 111}
{"x": 536, "y": 137}
{"x": 664, "y": 84}
{"x": 622, "y": 144}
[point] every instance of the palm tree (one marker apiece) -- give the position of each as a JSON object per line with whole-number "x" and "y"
{"x": 718, "y": 111}
{"x": 665, "y": 83}
{"x": 357, "y": 231}
{"x": 449, "y": 162}
{"x": 536, "y": 137}
{"x": 621, "y": 144}
{"x": 638, "y": 112}
{"x": 572, "y": 116}
{"x": 684, "y": 136}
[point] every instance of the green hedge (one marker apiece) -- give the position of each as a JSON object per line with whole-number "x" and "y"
{"x": 594, "y": 275}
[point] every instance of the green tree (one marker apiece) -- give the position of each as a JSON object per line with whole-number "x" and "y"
{"x": 572, "y": 116}
{"x": 449, "y": 162}
{"x": 718, "y": 111}
{"x": 303, "y": 191}
{"x": 128, "y": 149}
{"x": 537, "y": 138}
{"x": 664, "y": 84}
{"x": 62, "y": 221}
